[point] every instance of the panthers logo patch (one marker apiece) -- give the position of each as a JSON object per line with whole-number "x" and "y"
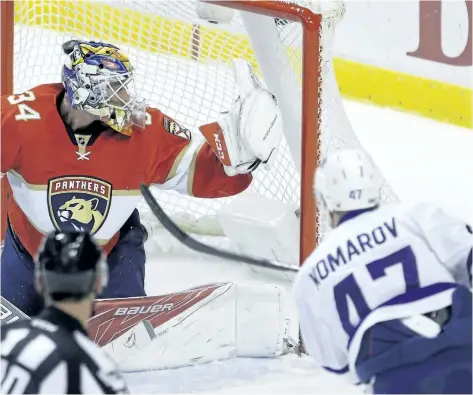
{"x": 79, "y": 203}
{"x": 174, "y": 128}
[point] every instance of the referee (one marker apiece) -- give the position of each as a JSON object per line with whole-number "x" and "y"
{"x": 52, "y": 353}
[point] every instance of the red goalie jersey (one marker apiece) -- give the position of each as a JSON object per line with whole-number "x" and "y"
{"x": 89, "y": 180}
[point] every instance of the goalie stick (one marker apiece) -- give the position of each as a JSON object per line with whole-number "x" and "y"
{"x": 198, "y": 246}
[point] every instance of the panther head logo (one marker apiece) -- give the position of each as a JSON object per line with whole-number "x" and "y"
{"x": 79, "y": 203}
{"x": 80, "y": 212}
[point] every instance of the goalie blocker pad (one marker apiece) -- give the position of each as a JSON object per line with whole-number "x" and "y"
{"x": 212, "y": 322}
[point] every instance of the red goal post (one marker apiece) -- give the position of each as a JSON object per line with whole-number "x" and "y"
{"x": 6, "y": 87}
{"x": 311, "y": 26}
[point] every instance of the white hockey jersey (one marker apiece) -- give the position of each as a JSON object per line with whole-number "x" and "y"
{"x": 393, "y": 262}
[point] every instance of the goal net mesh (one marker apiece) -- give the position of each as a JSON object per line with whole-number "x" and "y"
{"x": 183, "y": 67}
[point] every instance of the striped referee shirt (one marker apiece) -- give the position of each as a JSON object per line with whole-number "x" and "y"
{"x": 53, "y": 354}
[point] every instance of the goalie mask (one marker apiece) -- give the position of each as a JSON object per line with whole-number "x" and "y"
{"x": 98, "y": 78}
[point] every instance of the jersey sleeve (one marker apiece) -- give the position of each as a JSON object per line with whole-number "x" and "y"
{"x": 10, "y": 140}
{"x": 185, "y": 162}
{"x": 320, "y": 341}
{"x": 450, "y": 239}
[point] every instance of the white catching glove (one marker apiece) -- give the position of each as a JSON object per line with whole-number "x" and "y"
{"x": 251, "y": 131}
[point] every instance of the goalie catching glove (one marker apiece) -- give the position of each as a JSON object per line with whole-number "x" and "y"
{"x": 251, "y": 131}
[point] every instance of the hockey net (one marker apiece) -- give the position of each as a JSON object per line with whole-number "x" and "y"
{"x": 183, "y": 67}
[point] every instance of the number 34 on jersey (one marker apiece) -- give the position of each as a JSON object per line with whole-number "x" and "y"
{"x": 25, "y": 112}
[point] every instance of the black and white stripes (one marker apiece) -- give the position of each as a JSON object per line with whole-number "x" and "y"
{"x": 40, "y": 357}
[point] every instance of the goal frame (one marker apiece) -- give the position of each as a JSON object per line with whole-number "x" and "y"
{"x": 7, "y": 22}
{"x": 311, "y": 25}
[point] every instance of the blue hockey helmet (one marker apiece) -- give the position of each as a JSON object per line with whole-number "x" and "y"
{"x": 98, "y": 78}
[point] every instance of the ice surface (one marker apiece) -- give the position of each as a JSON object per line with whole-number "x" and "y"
{"x": 287, "y": 375}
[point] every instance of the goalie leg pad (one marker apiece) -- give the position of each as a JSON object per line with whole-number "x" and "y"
{"x": 212, "y": 322}
{"x": 262, "y": 321}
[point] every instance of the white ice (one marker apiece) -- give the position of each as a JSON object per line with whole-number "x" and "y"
{"x": 422, "y": 160}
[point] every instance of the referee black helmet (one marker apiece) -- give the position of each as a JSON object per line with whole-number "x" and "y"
{"x": 70, "y": 266}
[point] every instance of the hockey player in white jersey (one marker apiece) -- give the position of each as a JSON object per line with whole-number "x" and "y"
{"x": 386, "y": 296}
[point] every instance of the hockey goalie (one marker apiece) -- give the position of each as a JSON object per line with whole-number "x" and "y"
{"x": 76, "y": 152}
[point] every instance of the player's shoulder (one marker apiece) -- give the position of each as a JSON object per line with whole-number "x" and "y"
{"x": 154, "y": 119}
{"x": 154, "y": 112}
{"x": 429, "y": 216}
{"x": 41, "y": 93}
{"x": 47, "y": 91}
{"x": 12, "y": 326}
{"x": 166, "y": 125}
{"x": 425, "y": 213}
{"x": 399, "y": 210}
{"x": 421, "y": 213}
{"x": 29, "y": 328}
{"x": 424, "y": 208}
{"x": 68, "y": 341}
{"x": 33, "y": 104}
{"x": 33, "y": 325}
{"x": 387, "y": 210}
{"x": 148, "y": 137}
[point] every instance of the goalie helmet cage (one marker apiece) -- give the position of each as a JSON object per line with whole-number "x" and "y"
{"x": 183, "y": 67}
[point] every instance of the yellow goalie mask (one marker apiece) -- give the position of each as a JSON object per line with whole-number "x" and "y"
{"x": 98, "y": 78}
